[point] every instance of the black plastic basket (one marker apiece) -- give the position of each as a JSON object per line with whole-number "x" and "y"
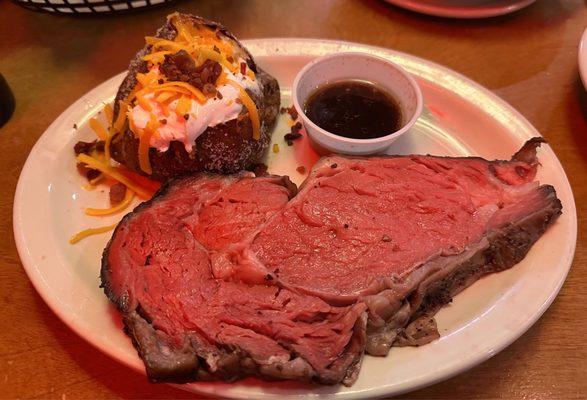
{"x": 87, "y": 7}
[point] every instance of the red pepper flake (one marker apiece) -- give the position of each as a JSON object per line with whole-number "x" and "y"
{"x": 186, "y": 116}
{"x": 163, "y": 121}
{"x": 301, "y": 169}
{"x": 243, "y": 68}
{"x": 74, "y": 126}
{"x": 216, "y": 49}
{"x": 230, "y": 59}
{"x": 160, "y": 81}
{"x": 117, "y": 193}
{"x": 334, "y": 165}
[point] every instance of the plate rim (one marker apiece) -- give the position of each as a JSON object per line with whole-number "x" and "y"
{"x": 44, "y": 291}
{"x": 582, "y": 58}
{"x": 449, "y": 11}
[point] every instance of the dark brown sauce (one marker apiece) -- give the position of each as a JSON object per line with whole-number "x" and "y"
{"x": 354, "y": 109}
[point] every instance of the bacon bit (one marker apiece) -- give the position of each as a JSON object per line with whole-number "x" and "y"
{"x": 296, "y": 128}
{"x": 293, "y": 113}
{"x": 301, "y": 169}
{"x": 243, "y": 68}
{"x": 275, "y": 148}
{"x": 87, "y": 147}
{"x": 209, "y": 89}
{"x": 117, "y": 193}
{"x": 290, "y": 137}
{"x": 92, "y": 174}
{"x": 86, "y": 172}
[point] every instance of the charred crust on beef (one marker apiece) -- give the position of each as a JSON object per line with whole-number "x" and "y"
{"x": 500, "y": 248}
{"x": 168, "y": 360}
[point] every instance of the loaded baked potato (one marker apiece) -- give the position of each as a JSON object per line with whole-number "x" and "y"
{"x": 194, "y": 100}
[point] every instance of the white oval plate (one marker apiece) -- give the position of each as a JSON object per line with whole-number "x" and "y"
{"x": 460, "y": 118}
{"x": 583, "y": 58}
{"x": 467, "y": 9}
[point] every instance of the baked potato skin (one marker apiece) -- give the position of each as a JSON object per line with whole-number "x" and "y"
{"x": 225, "y": 148}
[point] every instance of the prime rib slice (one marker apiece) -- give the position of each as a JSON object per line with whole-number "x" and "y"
{"x": 400, "y": 234}
{"x": 221, "y": 277}
{"x": 187, "y": 325}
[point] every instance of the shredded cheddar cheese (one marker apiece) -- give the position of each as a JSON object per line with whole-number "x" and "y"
{"x": 143, "y": 102}
{"x": 108, "y": 112}
{"x": 121, "y": 117}
{"x": 157, "y": 57}
{"x": 182, "y": 85}
{"x": 98, "y": 128}
{"x": 114, "y": 209}
{"x": 221, "y": 79}
{"x": 251, "y": 107}
{"x": 115, "y": 174}
{"x": 89, "y": 232}
{"x": 145, "y": 144}
{"x": 165, "y": 96}
{"x": 183, "y": 106}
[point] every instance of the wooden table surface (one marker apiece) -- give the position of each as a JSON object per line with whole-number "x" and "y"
{"x": 528, "y": 58}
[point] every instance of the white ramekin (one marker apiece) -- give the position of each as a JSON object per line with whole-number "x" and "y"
{"x": 362, "y": 66}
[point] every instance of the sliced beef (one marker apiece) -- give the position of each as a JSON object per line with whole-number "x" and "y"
{"x": 400, "y": 234}
{"x": 187, "y": 324}
{"x": 220, "y": 277}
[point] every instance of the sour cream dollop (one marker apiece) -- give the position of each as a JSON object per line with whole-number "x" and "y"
{"x": 215, "y": 111}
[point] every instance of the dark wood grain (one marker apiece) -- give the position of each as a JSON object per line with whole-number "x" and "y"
{"x": 529, "y": 58}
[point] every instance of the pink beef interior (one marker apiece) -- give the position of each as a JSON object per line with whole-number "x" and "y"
{"x": 163, "y": 265}
{"x": 221, "y": 277}
{"x": 358, "y": 222}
